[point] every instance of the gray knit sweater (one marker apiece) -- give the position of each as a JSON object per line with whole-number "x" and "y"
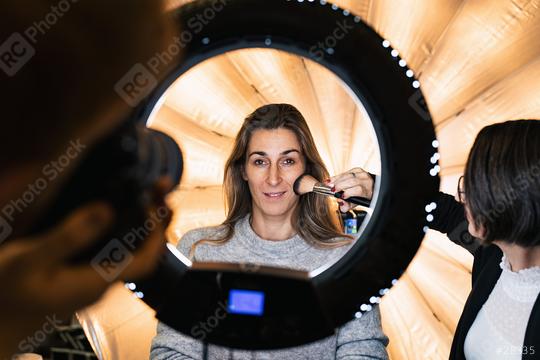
{"x": 358, "y": 339}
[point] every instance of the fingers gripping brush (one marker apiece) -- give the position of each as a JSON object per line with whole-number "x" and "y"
{"x": 307, "y": 183}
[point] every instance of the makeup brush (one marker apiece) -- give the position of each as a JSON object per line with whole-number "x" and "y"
{"x": 307, "y": 183}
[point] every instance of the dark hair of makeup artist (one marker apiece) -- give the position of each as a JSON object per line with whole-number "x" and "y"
{"x": 502, "y": 182}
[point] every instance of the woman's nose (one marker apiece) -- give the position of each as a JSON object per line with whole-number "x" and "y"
{"x": 274, "y": 176}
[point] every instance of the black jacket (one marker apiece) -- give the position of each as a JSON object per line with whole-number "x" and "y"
{"x": 450, "y": 219}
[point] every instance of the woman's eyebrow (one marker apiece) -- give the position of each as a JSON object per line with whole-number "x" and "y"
{"x": 262, "y": 153}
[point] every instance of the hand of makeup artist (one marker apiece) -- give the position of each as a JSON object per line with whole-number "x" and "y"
{"x": 355, "y": 182}
{"x": 42, "y": 284}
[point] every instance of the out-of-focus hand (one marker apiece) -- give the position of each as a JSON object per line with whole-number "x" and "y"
{"x": 38, "y": 281}
{"x": 355, "y": 182}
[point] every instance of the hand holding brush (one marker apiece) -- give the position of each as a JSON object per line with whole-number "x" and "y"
{"x": 353, "y": 187}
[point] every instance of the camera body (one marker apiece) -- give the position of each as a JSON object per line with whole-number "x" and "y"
{"x": 122, "y": 171}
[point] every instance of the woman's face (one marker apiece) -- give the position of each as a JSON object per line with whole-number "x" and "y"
{"x": 274, "y": 160}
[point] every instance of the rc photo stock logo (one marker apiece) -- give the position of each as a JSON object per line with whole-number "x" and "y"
{"x": 418, "y": 103}
{"x": 112, "y": 260}
{"x": 49, "y": 173}
{"x": 117, "y": 254}
{"x": 328, "y": 44}
{"x": 17, "y": 50}
{"x": 138, "y": 83}
{"x": 141, "y": 79}
{"x": 5, "y": 229}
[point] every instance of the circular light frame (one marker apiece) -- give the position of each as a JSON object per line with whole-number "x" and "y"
{"x": 374, "y": 72}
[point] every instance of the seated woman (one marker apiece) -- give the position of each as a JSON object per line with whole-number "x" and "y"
{"x": 268, "y": 224}
{"x": 500, "y": 200}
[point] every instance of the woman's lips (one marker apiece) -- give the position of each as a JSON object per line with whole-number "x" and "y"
{"x": 274, "y": 195}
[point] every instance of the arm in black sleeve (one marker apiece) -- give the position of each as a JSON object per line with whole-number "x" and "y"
{"x": 449, "y": 218}
{"x": 448, "y": 214}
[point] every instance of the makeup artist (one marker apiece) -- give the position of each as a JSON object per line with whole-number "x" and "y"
{"x": 499, "y": 198}
{"x": 268, "y": 224}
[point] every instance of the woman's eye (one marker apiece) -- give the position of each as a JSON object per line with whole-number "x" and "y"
{"x": 289, "y": 162}
{"x": 259, "y": 162}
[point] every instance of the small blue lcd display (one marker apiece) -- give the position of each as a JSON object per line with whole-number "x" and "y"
{"x": 246, "y": 302}
{"x": 350, "y": 226}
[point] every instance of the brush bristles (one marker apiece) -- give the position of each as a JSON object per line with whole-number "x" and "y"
{"x": 304, "y": 184}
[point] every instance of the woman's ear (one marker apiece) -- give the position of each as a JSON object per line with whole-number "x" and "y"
{"x": 478, "y": 232}
{"x": 482, "y": 232}
{"x": 243, "y": 171}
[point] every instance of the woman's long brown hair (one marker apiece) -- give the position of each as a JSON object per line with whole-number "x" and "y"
{"x": 316, "y": 223}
